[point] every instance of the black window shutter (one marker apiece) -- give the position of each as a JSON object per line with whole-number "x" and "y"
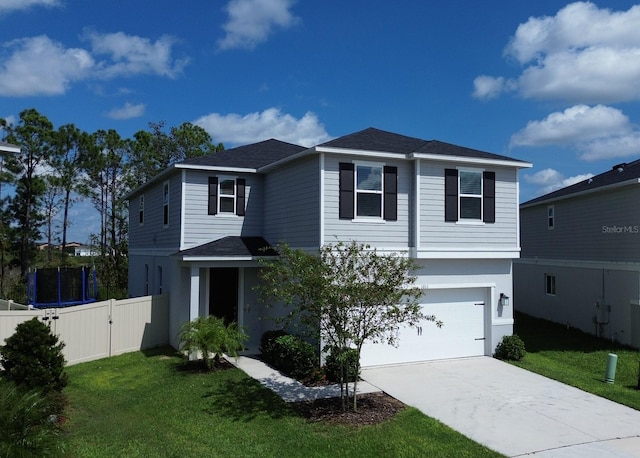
{"x": 450, "y": 195}
{"x": 489, "y": 197}
{"x": 240, "y": 184}
{"x": 346, "y": 190}
{"x": 390, "y": 193}
{"x": 213, "y": 195}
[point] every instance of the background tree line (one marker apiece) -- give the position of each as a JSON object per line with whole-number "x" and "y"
{"x": 56, "y": 169}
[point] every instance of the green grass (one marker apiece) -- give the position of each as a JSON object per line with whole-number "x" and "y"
{"x": 578, "y": 359}
{"x": 144, "y": 405}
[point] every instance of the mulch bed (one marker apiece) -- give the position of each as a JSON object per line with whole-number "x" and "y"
{"x": 373, "y": 408}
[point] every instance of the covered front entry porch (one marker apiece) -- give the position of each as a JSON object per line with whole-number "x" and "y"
{"x": 222, "y": 279}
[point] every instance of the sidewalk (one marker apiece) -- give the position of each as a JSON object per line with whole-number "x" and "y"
{"x": 288, "y": 389}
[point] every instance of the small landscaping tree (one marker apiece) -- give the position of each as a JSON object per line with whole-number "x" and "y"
{"x": 32, "y": 357}
{"x": 346, "y": 295}
{"x": 209, "y": 337}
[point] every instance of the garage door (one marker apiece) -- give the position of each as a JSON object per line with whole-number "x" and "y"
{"x": 462, "y": 312}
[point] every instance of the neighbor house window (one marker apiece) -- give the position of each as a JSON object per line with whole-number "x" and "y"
{"x": 368, "y": 190}
{"x": 226, "y": 196}
{"x": 551, "y": 217}
{"x": 141, "y": 209}
{"x": 469, "y": 195}
{"x": 550, "y": 284}
{"x": 165, "y": 204}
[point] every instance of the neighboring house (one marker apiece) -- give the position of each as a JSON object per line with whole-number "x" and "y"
{"x": 197, "y": 229}
{"x": 8, "y": 148}
{"x": 580, "y": 263}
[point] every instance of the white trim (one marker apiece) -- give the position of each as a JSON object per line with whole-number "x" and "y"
{"x": 9, "y": 148}
{"x": 517, "y": 211}
{"x": 471, "y": 160}
{"x": 371, "y": 164}
{"x": 183, "y": 202}
{"x": 416, "y": 215}
{"x": 220, "y": 196}
{"x": 427, "y": 286}
{"x": 467, "y": 253}
{"x": 360, "y": 152}
{"x": 215, "y": 168}
{"x": 217, "y": 258}
{"x": 194, "y": 293}
{"x": 322, "y": 191}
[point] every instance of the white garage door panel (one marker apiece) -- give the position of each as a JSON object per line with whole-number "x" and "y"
{"x": 462, "y": 333}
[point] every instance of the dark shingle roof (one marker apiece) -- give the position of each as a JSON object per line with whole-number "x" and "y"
{"x": 377, "y": 140}
{"x": 617, "y": 174}
{"x": 372, "y": 139}
{"x": 249, "y": 156}
{"x": 232, "y": 246}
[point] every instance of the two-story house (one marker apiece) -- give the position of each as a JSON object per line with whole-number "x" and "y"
{"x": 197, "y": 229}
{"x": 580, "y": 263}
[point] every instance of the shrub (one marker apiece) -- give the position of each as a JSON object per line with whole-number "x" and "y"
{"x": 26, "y": 425}
{"x": 209, "y": 337}
{"x": 289, "y": 354}
{"x": 510, "y": 348}
{"x": 269, "y": 348}
{"x": 342, "y": 365}
{"x": 32, "y": 357}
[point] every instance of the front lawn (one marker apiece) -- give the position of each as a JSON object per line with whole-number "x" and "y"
{"x": 578, "y": 359}
{"x": 145, "y": 405}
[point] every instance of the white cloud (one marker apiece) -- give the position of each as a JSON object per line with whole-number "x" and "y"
{"x": 579, "y": 123}
{"x": 271, "y": 123}
{"x": 252, "y": 21}
{"x": 583, "y": 54}
{"x": 128, "y": 111}
{"x": 41, "y": 66}
{"x": 549, "y": 180}
{"x": 487, "y": 87}
{"x": 134, "y": 55}
{"x": 597, "y": 133}
{"x": 8, "y": 6}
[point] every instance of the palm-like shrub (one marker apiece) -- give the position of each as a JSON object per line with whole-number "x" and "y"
{"x": 209, "y": 338}
{"x": 27, "y": 427}
{"x": 32, "y": 358}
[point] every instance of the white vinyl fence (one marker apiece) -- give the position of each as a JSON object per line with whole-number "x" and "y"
{"x": 98, "y": 330}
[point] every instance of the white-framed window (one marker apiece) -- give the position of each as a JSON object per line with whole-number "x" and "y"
{"x": 551, "y": 217}
{"x": 550, "y": 284}
{"x": 227, "y": 195}
{"x": 369, "y": 186}
{"x": 141, "y": 210}
{"x": 470, "y": 193}
{"x": 165, "y": 203}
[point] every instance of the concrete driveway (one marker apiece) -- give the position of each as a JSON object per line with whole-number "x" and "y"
{"x": 513, "y": 411}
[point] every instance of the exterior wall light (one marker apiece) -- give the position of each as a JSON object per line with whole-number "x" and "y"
{"x": 504, "y": 300}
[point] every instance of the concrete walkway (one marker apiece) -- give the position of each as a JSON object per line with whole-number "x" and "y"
{"x": 511, "y": 410}
{"x": 288, "y": 389}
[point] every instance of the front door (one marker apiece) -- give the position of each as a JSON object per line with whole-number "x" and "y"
{"x": 223, "y": 293}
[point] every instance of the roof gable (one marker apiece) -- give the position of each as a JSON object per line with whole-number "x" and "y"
{"x": 372, "y": 139}
{"x": 619, "y": 173}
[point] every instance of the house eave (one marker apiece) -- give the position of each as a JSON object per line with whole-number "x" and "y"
{"x": 467, "y": 253}
{"x": 471, "y": 160}
{"x": 360, "y": 152}
{"x": 215, "y": 168}
{"x": 586, "y": 192}
{"x": 9, "y": 148}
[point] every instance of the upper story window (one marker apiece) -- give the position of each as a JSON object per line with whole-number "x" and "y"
{"x": 226, "y": 196}
{"x": 368, "y": 190}
{"x": 470, "y": 195}
{"x": 141, "y": 209}
{"x": 551, "y": 217}
{"x": 165, "y": 203}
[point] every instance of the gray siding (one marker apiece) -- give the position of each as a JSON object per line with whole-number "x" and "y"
{"x": 200, "y": 227}
{"x": 436, "y": 233}
{"x": 616, "y": 292}
{"x": 580, "y": 231}
{"x": 153, "y": 233}
{"x": 387, "y": 234}
{"x": 292, "y": 204}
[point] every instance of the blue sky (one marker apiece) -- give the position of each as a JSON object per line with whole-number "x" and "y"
{"x": 550, "y": 82}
